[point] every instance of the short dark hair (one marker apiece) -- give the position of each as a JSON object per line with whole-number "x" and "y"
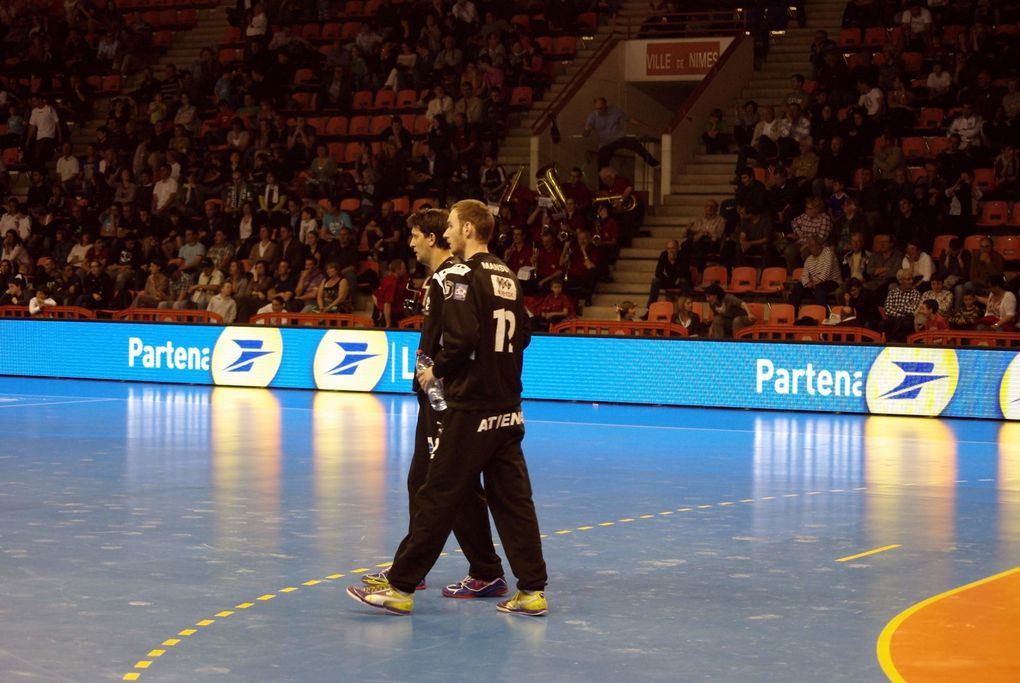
{"x": 714, "y": 290}
{"x": 431, "y": 222}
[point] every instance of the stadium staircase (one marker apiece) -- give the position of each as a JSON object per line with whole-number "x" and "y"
{"x": 708, "y": 176}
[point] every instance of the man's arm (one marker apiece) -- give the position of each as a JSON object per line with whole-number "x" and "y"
{"x": 460, "y": 326}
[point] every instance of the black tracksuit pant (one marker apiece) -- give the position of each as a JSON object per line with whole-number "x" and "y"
{"x": 471, "y": 525}
{"x": 474, "y": 443}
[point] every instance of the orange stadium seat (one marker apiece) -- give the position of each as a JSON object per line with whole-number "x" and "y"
{"x": 336, "y": 151}
{"x": 362, "y": 100}
{"x": 940, "y": 245}
{"x": 303, "y": 76}
{"x": 331, "y": 31}
{"x": 875, "y": 36}
{"x": 359, "y": 125}
{"x": 402, "y": 205}
{"x": 350, "y": 30}
{"x": 913, "y": 62}
{"x": 781, "y": 314}
{"x": 406, "y": 99}
{"x": 813, "y": 311}
{"x": 742, "y": 279}
{"x": 931, "y": 117}
{"x": 850, "y": 37}
{"x": 973, "y": 242}
{"x": 1014, "y": 218}
{"x": 385, "y": 99}
{"x": 984, "y": 178}
{"x": 318, "y": 123}
{"x": 994, "y": 213}
{"x": 713, "y": 275}
{"x": 1008, "y": 246}
{"x": 951, "y": 33}
{"x": 757, "y": 310}
{"x": 521, "y": 97}
{"x": 305, "y": 101}
{"x": 937, "y": 145}
{"x": 565, "y": 47}
{"x": 660, "y": 310}
{"x": 914, "y": 148}
{"x": 773, "y": 280}
{"x": 311, "y": 32}
{"x": 379, "y": 123}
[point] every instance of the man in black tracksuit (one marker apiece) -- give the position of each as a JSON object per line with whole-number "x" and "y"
{"x": 484, "y": 334}
{"x": 471, "y": 526}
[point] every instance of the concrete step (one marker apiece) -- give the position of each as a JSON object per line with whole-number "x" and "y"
{"x": 696, "y": 200}
{"x": 704, "y": 189}
{"x": 715, "y": 158}
{"x": 661, "y": 220}
{"x": 633, "y": 277}
{"x": 709, "y": 169}
{"x": 633, "y": 265}
{"x": 693, "y": 178}
{"x": 600, "y": 312}
{"x": 634, "y": 253}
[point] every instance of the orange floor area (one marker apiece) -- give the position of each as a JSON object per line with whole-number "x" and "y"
{"x": 967, "y": 634}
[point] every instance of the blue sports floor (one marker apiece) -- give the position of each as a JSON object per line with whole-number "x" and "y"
{"x": 161, "y": 533}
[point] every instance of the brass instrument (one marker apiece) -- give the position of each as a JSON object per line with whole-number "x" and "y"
{"x": 548, "y": 185}
{"x": 626, "y": 205}
{"x": 596, "y": 234}
{"x": 511, "y": 187}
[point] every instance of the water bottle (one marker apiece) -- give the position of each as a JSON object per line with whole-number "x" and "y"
{"x": 434, "y": 389}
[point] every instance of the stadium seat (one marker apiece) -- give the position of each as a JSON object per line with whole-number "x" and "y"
{"x": 545, "y": 44}
{"x": 937, "y": 145}
{"x": 994, "y": 213}
{"x": 521, "y": 97}
{"x": 350, "y": 204}
{"x": 362, "y": 100}
{"x": 588, "y": 22}
{"x": 742, "y": 279}
{"x": 1008, "y": 246}
{"x": 406, "y": 99}
{"x": 408, "y": 121}
{"x": 660, "y": 310}
{"x": 780, "y": 314}
{"x": 319, "y": 124}
{"x": 913, "y": 62}
{"x": 931, "y": 117}
{"x": 163, "y": 40}
{"x": 331, "y": 31}
{"x": 1006, "y": 30}
{"x": 336, "y": 126}
{"x": 940, "y": 245}
{"x": 984, "y": 179}
{"x": 713, "y": 275}
{"x": 359, "y": 125}
{"x": 850, "y": 37}
{"x": 422, "y": 202}
{"x": 915, "y": 173}
{"x": 385, "y": 100}
{"x": 354, "y": 8}
{"x": 973, "y": 242}
{"x": 757, "y": 310}
{"x": 402, "y": 205}
{"x": 305, "y": 101}
{"x": 875, "y": 36}
{"x": 352, "y": 151}
{"x": 950, "y": 34}
{"x": 565, "y": 47}
{"x": 421, "y": 126}
{"x": 773, "y": 280}
{"x": 813, "y": 311}
{"x": 311, "y": 32}
{"x": 914, "y": 148}
{"x": 350, "y": 30}
{"x": 380, "y": 123}
{"x": 337, "y": 150}
{"x": 303, "y": 76}
{"x": 1014, "y": 218}
{"x": 521, "y": 21}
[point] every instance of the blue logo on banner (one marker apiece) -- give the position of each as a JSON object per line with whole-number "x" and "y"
{"x": 354, "y": 354}
{"x": 915, "y": 376}
{"x": 251, "y": 350}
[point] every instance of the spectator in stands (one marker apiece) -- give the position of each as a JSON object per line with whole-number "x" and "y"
{"x": 333, "y": 295}
{"x": 968, "y": 125}
{"x": 919, "y": 263}
{"x": 547, "y": 261}
{"x": 968, "y": 314}
{"x": 939, "y": 83}
{"x": 687, "y": 318}
{"x": 38, "y": 304}
{"x": 17, "y": 293}
{"x": 205, "y": 287}
{"x": 883, "y": 265}
{"x": 750, "y": 191}
{"x": 917, "y": 26}
{"x": 795, "y": 129}
{"x": 952, "y": 161}
{"x": 157, "y": 288}
{"x": 704, "y": 236}
{"x": 222, "y": 303}
{"x": 672, "y": 273}
{"x": 942, "y": 297}
{"x": 580, "y": 263}
{"x": 765, "y": 139}
{"x": 963, "y": 197}
{"x": 900, "y": 305}
{"x": 814, "y": 222}
{"x": 755, "y": 237}
{"x": 1000, "y": 307}
{"x": 553, "y": 307}
{"x": 715, "y": 135}
{"x": 164, "y": 192}
{"x": 854, "y": 264}
{"x": 609, "y": 124}
{"x": 306, "y": 294}
{"x": 96, "y": 288}
{"x": 861, "y": 304}
{"x": 747, "y": 118}
{"x": 1007, "y": 172}
{"x": 888, "y": 157}
{"x": 908, "y": 225}
{"x": 730, "y": 314}
{"x": 43, "y": 133}
{"x": 930, "y": 318}
{"x": 820, "y": 276}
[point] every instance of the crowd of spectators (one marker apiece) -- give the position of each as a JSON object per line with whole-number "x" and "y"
{"x": 889, "y": 168}
{"x": 245, "y": 167}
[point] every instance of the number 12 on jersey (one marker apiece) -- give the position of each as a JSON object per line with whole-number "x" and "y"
{"x": 506, "y": 323}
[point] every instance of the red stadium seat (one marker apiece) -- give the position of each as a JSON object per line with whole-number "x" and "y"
{"x": 331, "y": 31}
{"x": 875, "y": 36}
{"x": 545, "y": 44}
{"x": 359, "y": 125}
{"x": 813, "y": 311}
{"x": 385, "y": 100}
{"x": 319, "y": 124}
{"x": 350, "y": 30}
{"x": 305, "y": 101}
{"x": 850, "y": 37}
{"x": 379, "y": 123}
{"x": 914, "y": 148}
{"x": 1014, "y": 218}
{"x": 937, "y": 145}
{"x": 565, "y": 47}
{"x": 402, "y": 205}
{"x": 994, "y": 213}
{"x": 406, "y": 99}
{"x": 311, "y": 32}
{"x": 588, "y": 22}
{"x": 303, "y": 76}
{"x": 354, "y": 8}
{"x": 336, "y": 151}
{"x": 931, "y": 117}
{"x": 421, "y": 202}
{"x": 421, "y": 125}
{"x": 362, "y": 100}
{"x": 713, "y": 275}
{"x": 950, "y": 34}
{"x": 984, "y": 178}
{"x": 521, "y": 97}
{"x": 913, "y": 62}
{"x": 350, "y": 204}
{"x": 336, "y": 126}
{"x": 973, "y": 242}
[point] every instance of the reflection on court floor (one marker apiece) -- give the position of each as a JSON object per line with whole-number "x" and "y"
{"x": 159, "y": 533}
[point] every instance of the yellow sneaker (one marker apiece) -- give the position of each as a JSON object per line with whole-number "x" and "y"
{"x": 384, "y": 597}
{"x": 528, "y": 603}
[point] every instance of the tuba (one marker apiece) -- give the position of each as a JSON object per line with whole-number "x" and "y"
{"x": 548, "y": 185}
{"x": 511, "y": 186}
